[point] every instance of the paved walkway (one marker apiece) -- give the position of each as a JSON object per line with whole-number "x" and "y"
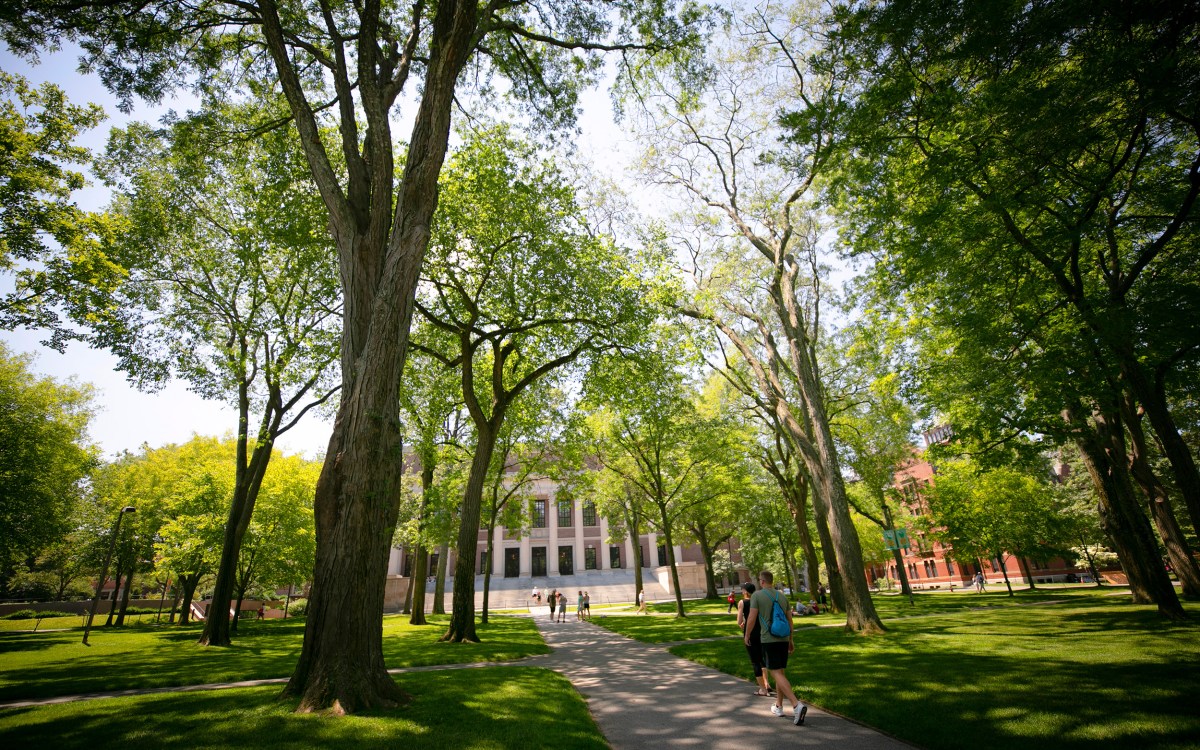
{"x": 644, "y": 697}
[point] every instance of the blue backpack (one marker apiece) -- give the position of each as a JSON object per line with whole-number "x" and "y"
{"x": 779, "y": 626}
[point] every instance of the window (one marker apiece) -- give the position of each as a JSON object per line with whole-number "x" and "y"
{"x": 485, "y": 562}
{"x": 614, "y": 557}
{"x": 566, "y": 560}
{"x": 949, "y": 567}
{"x": 589, "y": 513}
{"x": 589, "y": 559}
{"x": 539, "y": 514}
{"x": 564, "y": 514}
{"x": 662, "y": 555}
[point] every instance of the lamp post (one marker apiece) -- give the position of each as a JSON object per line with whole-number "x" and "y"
{"x": 104, "y": 570}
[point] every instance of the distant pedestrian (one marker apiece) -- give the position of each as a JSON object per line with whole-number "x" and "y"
{"x": 730, "y": 599}
{"x": 552, "y": 600}
{"x": 754, "y": 645}
{"x": 579, "y": 606}
{"x": 562, "y": 607}
{"x": 537, "y": 595}
{"x": 980, "y": 583}
{"x": 775, "y": 649}
{"x": 641, "y": 597}
{"x": 822, "y": 599}
{"x": 587, "y": 606}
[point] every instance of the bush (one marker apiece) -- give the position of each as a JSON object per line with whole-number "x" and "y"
{"x": 33, "y": 614}
{"x": 298, "y": 608}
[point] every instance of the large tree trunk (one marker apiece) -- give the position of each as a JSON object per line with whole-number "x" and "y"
{"x": 1178, "y": 550}
{"x": 381, "y": 239}
{"x": 797, "y": 495}
{"x": 830, "y": 557}
{"x": 1154, "y": 402}
{"x": 462, "y": 615}
{"x": 1102, "y": 450}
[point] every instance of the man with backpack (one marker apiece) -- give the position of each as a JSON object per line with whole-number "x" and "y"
{"x": 774, "y": 616}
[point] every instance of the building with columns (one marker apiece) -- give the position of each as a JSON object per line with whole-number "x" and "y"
{"x": 568, "y": 545}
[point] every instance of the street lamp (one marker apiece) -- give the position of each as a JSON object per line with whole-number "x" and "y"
{"x": 104, "y": 570}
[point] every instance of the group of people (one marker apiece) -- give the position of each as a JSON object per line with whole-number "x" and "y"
{"x": 768, "y": 652}
{"x": 557, "y": 601}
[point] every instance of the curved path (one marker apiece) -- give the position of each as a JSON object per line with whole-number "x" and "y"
{"x": 644, "y": 697}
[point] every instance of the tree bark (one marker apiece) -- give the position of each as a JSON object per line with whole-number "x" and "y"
{"x": 1102, "y": 450}
{"x": 462, "y": 614}
{"x": 1161, "y": 510}
{"x": 112, "y": 609}
{"x": 439, "y": 585}
{"x": 341, "y": 665}
{"x": 128, "y": 587}
{"x": 248, "y": 477}
{"x": 420, "y": 571}
{"x": 666, "y": 530}
{"x": 188, "y": 583}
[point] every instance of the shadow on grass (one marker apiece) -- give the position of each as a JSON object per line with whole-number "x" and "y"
{"x": 1016, "y": 677}
{"x": 52, "y": 664}
{"x": 479, "y": 708}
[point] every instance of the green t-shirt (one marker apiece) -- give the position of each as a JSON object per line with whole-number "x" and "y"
{"x": 762, "y": 601}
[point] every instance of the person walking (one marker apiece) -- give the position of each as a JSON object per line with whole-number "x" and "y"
{"x": 587, "y": 606}
{"x": 730, "y": 599}
{"x": 562, "y": 607}
{"x": 775, "y": 649}
{"x": 980, "y": 583}
{"x": 579, "y": 606}
{"x": 642, "y": 602}
{"x": 754, "y": 646}
{"x": 552, "y": 600}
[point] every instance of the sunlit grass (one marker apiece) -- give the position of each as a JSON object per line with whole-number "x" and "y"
{"x": 39, "y": 665}
{"x": 488, "y": 708}
{"x": 1091, "y": 672}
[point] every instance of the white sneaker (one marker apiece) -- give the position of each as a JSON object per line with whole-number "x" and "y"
{"x": 777, "y": 710}
{"x": 798, "y": 714}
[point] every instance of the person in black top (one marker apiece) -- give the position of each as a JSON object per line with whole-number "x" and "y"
{"x": 754, "y": 648}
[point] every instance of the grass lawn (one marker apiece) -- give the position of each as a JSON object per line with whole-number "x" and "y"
{"x": 1090, "y": 672}
{"x": 42, "y": 665}
{"x": 488, "y": 708}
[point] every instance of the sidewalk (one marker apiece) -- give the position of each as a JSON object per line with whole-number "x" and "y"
{"x": 641, "y": 697}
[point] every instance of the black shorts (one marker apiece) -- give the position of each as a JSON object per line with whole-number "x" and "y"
{"x": 775, "y": 655}
{"x": 756, "y": 657}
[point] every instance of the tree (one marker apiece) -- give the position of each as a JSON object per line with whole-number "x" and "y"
{"x": 521, "y": 290}
{"x": 1049, "y": 150}
{"x": 280, "y": 542}
{"x": 653, "y": 437}
{"x": 993, "y": 514}
{"x": 874, "y": 429}
{"x": 38, "y": 129}
{"x": 45, "y": 461}
{"x": 369, "y": 55}
{"x": 753, "y": 242}
{"x": 230, "y": 285}
{"x": 430, "y": 412}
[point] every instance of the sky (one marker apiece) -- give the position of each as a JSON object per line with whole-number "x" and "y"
{"x": 127, "y": 418}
